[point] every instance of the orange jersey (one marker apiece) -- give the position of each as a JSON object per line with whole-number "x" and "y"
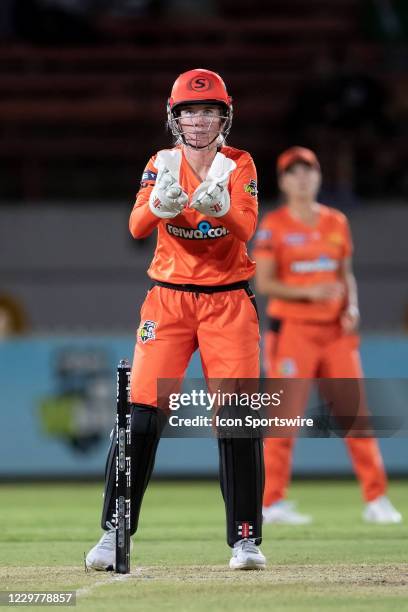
{"x": 191, "y": 247}
{"x": 305, "y": 256}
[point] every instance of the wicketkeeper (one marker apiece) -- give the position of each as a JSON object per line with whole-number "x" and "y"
{"x": 201, "y": 196}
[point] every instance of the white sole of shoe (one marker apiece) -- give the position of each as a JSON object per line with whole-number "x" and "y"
{"x": 99, "y": 568}
{"x": 246, "y": 566}
{"x": 382, "y": 521}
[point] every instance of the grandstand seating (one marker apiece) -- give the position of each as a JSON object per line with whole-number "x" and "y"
{"x": 69, "y": 112}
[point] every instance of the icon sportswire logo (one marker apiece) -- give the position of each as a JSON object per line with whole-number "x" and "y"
{"x": 203, "y": 231}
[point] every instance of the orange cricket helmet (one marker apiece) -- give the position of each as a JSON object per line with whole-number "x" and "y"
{"x": 199, "y": 86}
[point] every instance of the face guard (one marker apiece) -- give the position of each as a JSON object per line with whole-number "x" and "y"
{"x": 191, "y": 129}
{"x": 204, "y": 87}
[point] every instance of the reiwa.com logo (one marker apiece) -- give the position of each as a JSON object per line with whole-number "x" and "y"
{"x": 203, "y": 231}
{"x": 321, "y": 264}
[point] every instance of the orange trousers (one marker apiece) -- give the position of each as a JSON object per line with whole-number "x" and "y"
{"x": 307, "y": 351}
{"x": 223, "y": 326}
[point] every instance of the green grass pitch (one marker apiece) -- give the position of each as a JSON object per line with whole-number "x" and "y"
{"x": 180, "y": 558}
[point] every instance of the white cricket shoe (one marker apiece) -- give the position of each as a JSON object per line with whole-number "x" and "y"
{"x": 246, "y": 556}
{"x": 381, "y": 510}
{"x": 102, "y": 556}
{"x": 283, "y": 512}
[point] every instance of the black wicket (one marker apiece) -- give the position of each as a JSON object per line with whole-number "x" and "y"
{"x": 123, "y": 467}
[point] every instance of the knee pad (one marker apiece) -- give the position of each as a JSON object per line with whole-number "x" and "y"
{"x": 147, "y": 421}
{"x": 147, "y": 424}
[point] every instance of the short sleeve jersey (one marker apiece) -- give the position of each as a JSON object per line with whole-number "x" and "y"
{"x": 196, "y": 249}
{"x": 304, "y": 256}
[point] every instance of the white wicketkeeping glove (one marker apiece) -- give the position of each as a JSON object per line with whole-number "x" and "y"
{"x": 211, "y": 198}
{"x": 167, "y": 198}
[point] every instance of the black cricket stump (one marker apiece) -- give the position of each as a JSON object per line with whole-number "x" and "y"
{"x": 123, "y": 467}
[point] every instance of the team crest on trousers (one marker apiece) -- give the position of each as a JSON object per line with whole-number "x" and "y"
{"x": 146, "y": 331}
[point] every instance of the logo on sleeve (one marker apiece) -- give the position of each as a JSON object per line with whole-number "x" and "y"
{"x": 148, "y": 175}
{"x": 335, "y": 238}
{"x": 251, "y": 188}
{"x": 148, "y": 178}
{"x": 146, "y": 331}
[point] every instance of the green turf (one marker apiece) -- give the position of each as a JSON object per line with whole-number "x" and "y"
{"x": 180, "y": 557}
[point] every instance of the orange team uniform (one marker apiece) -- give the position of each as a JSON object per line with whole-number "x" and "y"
{"x": 305, "y": 339}
{"x": 212, "y": 307}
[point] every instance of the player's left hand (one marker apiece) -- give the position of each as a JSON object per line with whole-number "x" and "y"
{"x": 350, "y": 319}
{"x": 211, "y": 198}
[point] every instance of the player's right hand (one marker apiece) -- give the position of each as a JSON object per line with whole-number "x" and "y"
{"x": 167, "y": 198}
{"x": 325, "y": 291}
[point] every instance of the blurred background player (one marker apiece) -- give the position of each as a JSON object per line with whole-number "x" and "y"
{"x": 303, "y": 251}
{"x": 201, "y": 197}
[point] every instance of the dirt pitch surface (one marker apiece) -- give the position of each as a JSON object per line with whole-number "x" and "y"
{"x": 367, "y": 578}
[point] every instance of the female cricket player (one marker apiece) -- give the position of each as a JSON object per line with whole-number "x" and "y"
{"x": 303, "y": 253}
{"x": 201, "y": 196}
